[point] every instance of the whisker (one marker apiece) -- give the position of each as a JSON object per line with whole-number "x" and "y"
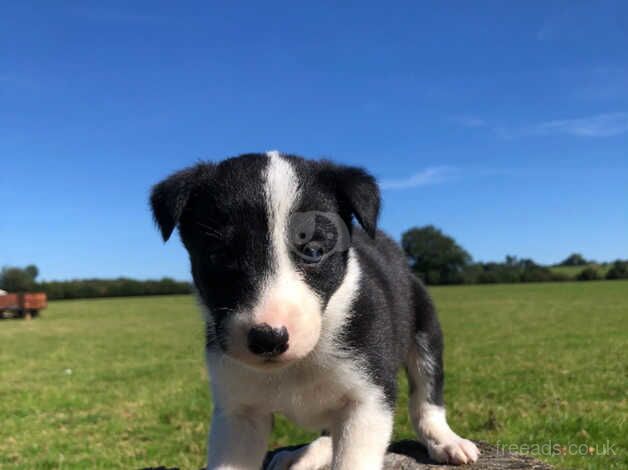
{"x": 210, "y": 231}
{"x": 214, "y": 235}
{"x": 225, "y": 309}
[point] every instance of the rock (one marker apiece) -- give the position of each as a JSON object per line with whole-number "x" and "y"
{"x": 410, "y": 455}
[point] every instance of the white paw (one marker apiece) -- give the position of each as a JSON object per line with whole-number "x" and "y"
{"x": 454, "y": 450}
{"x": 311, "y": 457}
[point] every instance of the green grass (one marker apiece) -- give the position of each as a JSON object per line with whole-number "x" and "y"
{"x": 120, "y": 383}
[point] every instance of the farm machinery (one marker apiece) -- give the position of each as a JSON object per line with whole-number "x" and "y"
{"x": 22, "y": 305}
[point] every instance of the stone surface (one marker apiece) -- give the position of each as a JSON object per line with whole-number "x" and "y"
{"x": 410, "y": 455}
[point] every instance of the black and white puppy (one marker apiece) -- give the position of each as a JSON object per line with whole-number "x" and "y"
{"x": 307, "y": 315}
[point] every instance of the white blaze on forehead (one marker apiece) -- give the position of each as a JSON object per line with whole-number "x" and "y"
{"x": 282, "y": 192}
{"x": 286, "y": 299}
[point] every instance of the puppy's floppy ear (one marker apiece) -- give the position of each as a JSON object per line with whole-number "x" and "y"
{"x": 358, "y": 190}
{"x": 170, "y": 197}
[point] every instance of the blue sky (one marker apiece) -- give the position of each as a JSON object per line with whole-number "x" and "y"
{"x": 503, "y": 123}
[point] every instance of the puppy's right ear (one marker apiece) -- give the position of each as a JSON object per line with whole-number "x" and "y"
{"x": 170, "y": 197}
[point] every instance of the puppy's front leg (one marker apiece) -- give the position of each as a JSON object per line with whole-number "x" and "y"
{"x": 361, "y": 436}
{"x": 238, "y": 440}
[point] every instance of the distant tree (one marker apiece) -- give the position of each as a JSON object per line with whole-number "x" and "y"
{"x": 88, "y": 288}
{"x": 511, "y": 270}
{"x": 588, "y": 274}
{"x": 575, "y": 259}
{"x": 13, "y": 279}
{"x": 532, "y": 272}
{"x": 511, "y": 260}
{"x": 32, "y": 271}
{"x": 619, "y": 270}
{"x": 434, "y": 256}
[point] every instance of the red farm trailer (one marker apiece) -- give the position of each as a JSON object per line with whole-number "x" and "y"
{"x": 25, "y": 305}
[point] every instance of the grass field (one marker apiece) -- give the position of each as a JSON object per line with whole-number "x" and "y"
{"x": 120, "y": 383}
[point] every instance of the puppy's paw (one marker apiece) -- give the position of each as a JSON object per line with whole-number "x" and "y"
{"x": 311, "y": 457}
{"x": 454, "y": 450}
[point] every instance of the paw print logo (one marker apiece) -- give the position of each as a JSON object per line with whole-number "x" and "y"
{"x": 315, "y": 235}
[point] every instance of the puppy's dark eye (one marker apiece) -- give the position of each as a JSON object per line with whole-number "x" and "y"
{"x": 215, "y": 253}
{"x": 216, "y": 258}
{"x": 223, "y": 263}
{"x": 313, "y": 252}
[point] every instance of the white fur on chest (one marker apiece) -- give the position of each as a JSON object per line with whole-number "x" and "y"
{"x": 308, "y": 393}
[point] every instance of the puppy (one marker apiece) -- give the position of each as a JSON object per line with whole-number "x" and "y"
{"x": 307, "y": 315}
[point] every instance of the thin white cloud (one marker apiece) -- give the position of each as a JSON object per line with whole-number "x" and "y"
{"x": 426, "y": 177}
{"x": 599, "y": 125}
{"x": 594, "y": 126}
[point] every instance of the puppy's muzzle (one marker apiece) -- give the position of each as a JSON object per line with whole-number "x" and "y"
{"x": 268, "y": 342}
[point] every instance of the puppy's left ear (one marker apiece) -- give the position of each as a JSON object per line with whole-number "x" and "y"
{"x": 358, "y": 190}
{"x": 170, "y": 197}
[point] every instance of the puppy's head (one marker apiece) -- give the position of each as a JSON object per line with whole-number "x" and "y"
{"x": 268, "y": 237}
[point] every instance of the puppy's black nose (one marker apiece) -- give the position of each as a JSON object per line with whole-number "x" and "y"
{"x": 266, "y": 341}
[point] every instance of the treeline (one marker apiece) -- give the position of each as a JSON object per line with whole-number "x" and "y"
{"x": 438, "y": 259}
{"x": 121, "y": 287}
{"x": 13, "y": 279}
{"x": 510, "y": 271}
{"x": 619, "y": 270}
{"x": 525, "y": 270}
{"x": 434, "y": 256}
